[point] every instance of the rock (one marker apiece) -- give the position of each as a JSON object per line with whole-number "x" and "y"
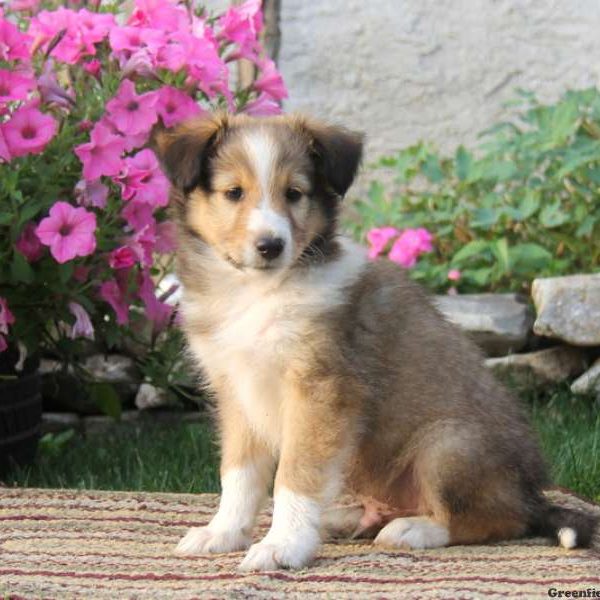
{"x": 498, "y": 323}
{"x": 64, "y": 391}
{"x": 112, "y": 368}
{"x": 536, "y": 369}
{"x": 568, "y": 308}
{"x": 54, "y": 422}
{"x": 149, "y": 396}
{"x": 589, "y": 382}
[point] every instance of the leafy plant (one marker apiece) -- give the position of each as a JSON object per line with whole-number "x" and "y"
{"x": 84, "y": 236}
{"x": 525, "y": 204}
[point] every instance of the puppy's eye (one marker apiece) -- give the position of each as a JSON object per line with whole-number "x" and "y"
{"x": 234, "y": 194}
{"x": 293, "y": 195}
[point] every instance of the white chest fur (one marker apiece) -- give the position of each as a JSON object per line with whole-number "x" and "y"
{"x": 257, "y": 326}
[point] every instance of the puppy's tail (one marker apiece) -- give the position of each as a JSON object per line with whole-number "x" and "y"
{"x": 571, "y": 528}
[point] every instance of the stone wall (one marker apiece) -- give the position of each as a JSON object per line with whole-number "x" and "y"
{"x": 404, "y": 70}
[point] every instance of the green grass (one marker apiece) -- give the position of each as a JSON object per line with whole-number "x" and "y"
{"x": 183, "y": 458}
{"x": 151, "y": 457}
{"x": 569, "y": 432}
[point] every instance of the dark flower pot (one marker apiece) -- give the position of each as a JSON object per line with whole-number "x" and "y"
{"x": 20, "y": 419}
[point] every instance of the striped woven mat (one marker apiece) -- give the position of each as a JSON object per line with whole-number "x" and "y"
{"x": 69, "y": 544}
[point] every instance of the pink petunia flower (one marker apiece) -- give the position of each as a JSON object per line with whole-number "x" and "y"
{"x": 140, "y": 64}
{"x": 143, "y": 243}
{"x": 79, "y": 31}
{"x": 138, "y": 216}
{"x": 158, "y": 312}
{"x": 14, "y": 45}
{"x": 166, "y": 238}
{"x": 102, "y": 155}
{"x": 5, "y": 154}
{"x": 51, "y": 91}
{"x": 199, "y": 57}
{"x": 132, "y": 113}
{"x": 175, "y": 106}
{"x": 143, "y": 181}
{"x": 3, "y": 343}
{"x": 85, "y": 125}
{"x": 127, "y": 41}
{"x": 454, "y": 274}
{"x": 263, "y": 106}
{"x": 111, "y": 292}
{"x": 61, "y": 28}
{"x": 68, "y": 231}
{"x": 122, "y": 258}
{"x": 159, "y": 14}
{"x": 28, "y": 131}
{"x": 242, "y": 26}
{"x": 22, "y": 5}
{"x": 270, "y": 81}
{"x": 379, "y": 238}
{"x": 6, "y": 316}
{"x": 95, "y": 25}
{"x": 93, "y": 67}
{"x": 91, "y": 193}
{"x": 410, "y": 245}
{"x": 29, "y": 244}
{"x": 15, "y": 85}
{"x": 83, "y": 324}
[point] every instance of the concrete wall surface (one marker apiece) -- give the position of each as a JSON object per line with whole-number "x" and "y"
{"x": 404, "y": 70}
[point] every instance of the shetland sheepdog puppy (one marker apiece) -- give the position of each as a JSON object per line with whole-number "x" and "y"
{"x": 333, "y": 375}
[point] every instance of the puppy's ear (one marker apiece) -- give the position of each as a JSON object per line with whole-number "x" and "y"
{"x": 184, "y": 151}
{"x": 337, "y": 152}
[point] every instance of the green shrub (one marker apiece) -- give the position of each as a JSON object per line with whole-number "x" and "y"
{"x": 525, "y": 204}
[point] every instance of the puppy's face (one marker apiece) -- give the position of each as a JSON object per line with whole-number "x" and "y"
{"x": 260, "y": 192}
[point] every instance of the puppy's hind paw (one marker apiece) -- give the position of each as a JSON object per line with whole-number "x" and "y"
{"x": 413, "y": 532}
{"x": 203, "y": 540}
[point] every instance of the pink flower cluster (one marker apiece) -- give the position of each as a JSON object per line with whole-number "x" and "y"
{"x": 24, "y": 129}
{"x": 408, "y": 244}
{"x": 160, "y": 41}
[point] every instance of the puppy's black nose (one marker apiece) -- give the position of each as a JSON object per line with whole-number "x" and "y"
{"x": 270, "y": 247}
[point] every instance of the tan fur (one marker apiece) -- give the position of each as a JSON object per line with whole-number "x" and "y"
{"x": 340, "y": 371}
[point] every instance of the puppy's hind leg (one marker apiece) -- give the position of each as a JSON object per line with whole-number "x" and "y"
{"x": 470, "y": 493}
{"x": 413, "y": 532}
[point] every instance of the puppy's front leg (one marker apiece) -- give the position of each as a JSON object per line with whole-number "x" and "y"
{"x": 246, "y": 473}
{"x": 315, "y": 446}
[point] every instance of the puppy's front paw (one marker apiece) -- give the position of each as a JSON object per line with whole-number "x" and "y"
{"x": 202, "y": 540}
{"x": 285, "y": 554}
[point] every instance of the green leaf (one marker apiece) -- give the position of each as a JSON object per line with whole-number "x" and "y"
{"x": 500, "y": 250}
{"x": 526, "y": 257}
{"x": 5, "y": 218}
{"x": 464, "y": 162}
{"x": 21, "y": 270}
{"x": 552, "y": 215}
{"x": 485, "y": 217}
{"x": 29, "y": 211}
{"x": 471, "y": 249}
{"x": 529, "y": 205}
{"x": 479, "y": 277}
{"x": 587, "y": 226}
{"x": 432, "y": 169}
{"x": 65, "y": 271}
{"x": 376, "y": 193}
{"x": 565, "y": 118}
{"x": 499, "y": 170}
{"x": 106, "y": 399}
